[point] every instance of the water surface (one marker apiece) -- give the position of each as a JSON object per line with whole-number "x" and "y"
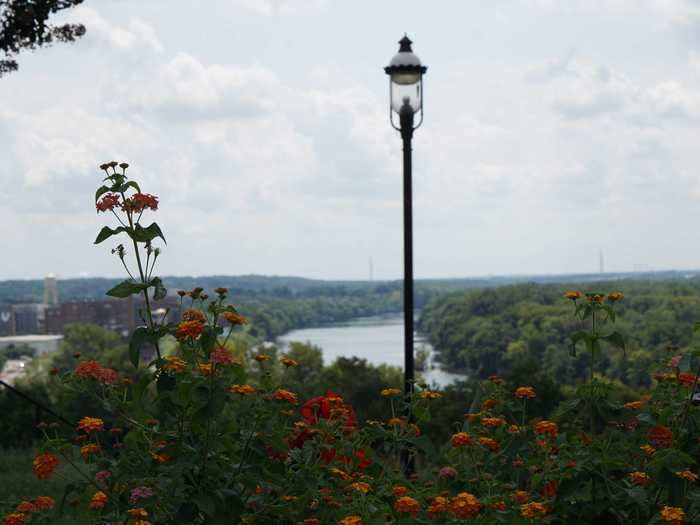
{"x": 378, "y": 339}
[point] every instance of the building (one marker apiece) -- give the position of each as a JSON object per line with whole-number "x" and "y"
{"x": 29, "y": 319}
{"x": 50, "y": 290}
{"x": 7, "y": 320}
{"x": 41, "y": 344}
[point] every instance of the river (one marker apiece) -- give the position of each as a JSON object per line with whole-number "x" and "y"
{"x": 378, "y": 339}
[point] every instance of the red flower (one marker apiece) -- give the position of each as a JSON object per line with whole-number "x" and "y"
{"x": 686, "y": 379}
{"x": 550, "y": 488}
{"x": 329, "y": 407}
{"x": 108, "y": 203}
{"x": 141, "y": 201}
{"x": 661, "y": 437}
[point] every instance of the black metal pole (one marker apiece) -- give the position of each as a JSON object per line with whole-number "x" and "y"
{"x": 406, "y": 119}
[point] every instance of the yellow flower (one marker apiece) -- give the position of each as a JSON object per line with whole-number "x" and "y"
{"x": 261, "y": 357}
{"x": 532, "y": 510}
{"x": 139, "y": 512}
{"x": 360, "y": 486}
{"x": 648, "y": 449}
{"x": 615, "y": 296}
{"x": 640, "y": 478}
{"x": 672, "y": 515}
{"x": 573, "y": 295}
{"x": 351, "y": 520}
{"x": 175, "y": 364}
{"x": 391, "y": 392}
{"x": 204, "y": 368}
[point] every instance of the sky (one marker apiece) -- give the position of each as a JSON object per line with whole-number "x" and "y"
{"x": 553, "y": 130}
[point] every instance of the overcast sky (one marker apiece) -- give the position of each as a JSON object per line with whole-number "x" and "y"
{"x": 550, "y": 133}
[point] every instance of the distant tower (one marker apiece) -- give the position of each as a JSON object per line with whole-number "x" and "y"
{"x": 371, "y": 270}
{"x": 50, "y": 290}
{"x": 602, "y": 265}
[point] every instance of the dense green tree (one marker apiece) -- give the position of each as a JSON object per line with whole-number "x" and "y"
{"x": 24, "y": 24}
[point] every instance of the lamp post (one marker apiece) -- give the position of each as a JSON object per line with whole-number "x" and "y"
{"x": 406, "y": 93}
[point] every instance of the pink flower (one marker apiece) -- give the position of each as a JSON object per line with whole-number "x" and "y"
{"x": 140, "y": 493}
{"x": 102, "y": 476}
{"x": 675, "y": 361}
{"x": 447, "y": 472}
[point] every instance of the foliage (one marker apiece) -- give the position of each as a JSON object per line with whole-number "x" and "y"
{"x": 24, "y": 25}
{"x": 501, "y": 330}
{"x": 212, "y": 433}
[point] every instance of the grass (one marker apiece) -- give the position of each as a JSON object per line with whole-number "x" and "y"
{"x": 17, "y": 482}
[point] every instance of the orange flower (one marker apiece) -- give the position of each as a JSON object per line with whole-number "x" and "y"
{"x": 460, "y": 439}
{"x": 533, "y": 510}
{"x": 496, "y": 380}
{"x": 244, "y": 390}
{"x": 190, "y": 329}
{"x": 499, "y": 505}
{"x": 549, "y": 428}
{"x": 615, "y": 296}
{"x": 99, "y": 500}
{"x": 595, "y": 297}
{"x": 288, "y": 362}
{"x": 648, "y": 450}
{"x": 573, "y": 295}
{"x": 44, "y": 502}
{"x": 91, "y": 424}
{"x": 360, "y": 486}
{"x": 175, "y": 364}
{"x": 260, "y": 357}
{"x": 489, "y": 404}
{"x": 513, "y": 429}
{"x": 489, "y": 443}
{"x": 408, "y": 505}
{"x": 44, "y": 465}
{"x": 520, "y": 496}
{"x": 640, "y": 478}
{"x": 390, "y": 392}
{"x": 87, "y": 450}
{"x": 687, "y": 475}
{"x": 285, "y": 395}
{"x": 430, "y": 395}
{"x": 351, "y": 520}
{"x": 235, "y": 318}
{"x": 550, "y": 488}
{"x": 289, "y": 499}
{"x": 395, "y": 422}
{"x": 15, "y": 518}
{"x": 673, "y": 515}
{"x": 438, "y": 505}
{"x": 493, "y": 422}
{"x": 399, "y": 491}
{"x": 193, "y": 314}
{"x": 204, "y": 368}
{"x": 139, "y": 512}
{"x": 465, "y": 505}
{"x": 633, "y": 405}
{"x": 523, "y": 392}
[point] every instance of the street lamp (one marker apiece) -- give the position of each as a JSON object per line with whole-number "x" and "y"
{"x": 406, "y": 92}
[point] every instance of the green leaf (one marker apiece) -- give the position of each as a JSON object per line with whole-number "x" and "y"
{"x": 126, "y": 288}
{"x": 141, "y": 336}
{"x": 107, "y": 232}
{"x": 208, "y": 339}
{"x": 159, "y": 291}
{"x": 576, "y": 338}
{"x": 101, "y": 191}
{"x": 141, "y": 234}
{"x": 616, "y": 339}
{"x": 126, "y": 186}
